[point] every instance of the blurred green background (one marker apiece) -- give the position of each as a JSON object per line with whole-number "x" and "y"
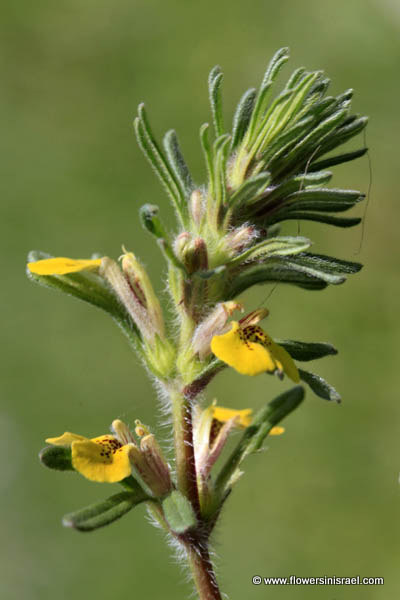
{"x": 324, "y": 499}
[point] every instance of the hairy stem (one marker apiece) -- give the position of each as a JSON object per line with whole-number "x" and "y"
{"x": 202, "y": 571}
{"x": 184, "y": 450}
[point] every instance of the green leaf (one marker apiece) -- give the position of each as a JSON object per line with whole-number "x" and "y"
{"x": 324, "y": 218}
{"x": 319, "y": 386}
{"x": 304, "y": 150}
{"x": 274, "y": 66}
{"x": 103, "y": 513}
{"x": 179, "y": 512}
{"x": 153, "y": 153}
{"x": 343, "y": 134}
{"x": 280, "y": 57}
{"x": 56, "y": 457}
{"x": 321, "y": 199}
{"x": 283, "y": 113}
{"x": 250, "y": 190}
{"x": 242, "y": 117}
{"x": 284, "y": 142}
{"x": 282, "y": 270}
{"x": 328, "y": 264}
{"x": 305, "y": 351}
{"x": 298, "y": 183}
{"x": 221, "y": 149}
{"x": 278, "y": 246}
{"x": 177, "y": 162}
{"x": 148, "y": 214}
{"x": 272, "y": 414}
{"x": 253, "y": 437}
{"x": 296, "y": 76}
{"x": 208, "y": 153}
{"x": 214, "y": 87}
{"x": 337, "y": 160}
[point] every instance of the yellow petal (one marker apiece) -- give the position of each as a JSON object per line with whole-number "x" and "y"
{"x": 287, "y": 362}
{"x": 248, "y": 358}
{"x": 277, "y": 431}
{"x": 102, "y": 459}
{"x": 65, "y": 439}
{"x": 62, "y": 266}
{"x": 225, "y": 414}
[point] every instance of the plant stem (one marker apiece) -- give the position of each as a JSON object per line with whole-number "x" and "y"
{"x": 184, "y": 450}
{"x": 202, "y": 571}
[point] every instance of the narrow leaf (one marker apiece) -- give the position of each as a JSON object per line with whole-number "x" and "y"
{"x": 323, "y": 199}
{"x": 250, "y": 190}
{"x": 305, "y": 351}
{"x": 274, "y": 66}
{"x": 274, "y": 413}
{"x": 177, "y": 162}
{"x": 221, "y": 149}
{"x": 283, "y": 270}
{"x": 298, "y": 183}
{"x": 281, "y": 116}
{"x": 269, "y": 416}
{"x": 319, "y": 386}
{"x": 304, "y": 150}
{"x": 155, "y": 156}
{"x": 337, "y": 160}
{"x": 296, "y": 76}
{"x": 279, "y": 246}
{"x": 242, "y": 117}
{"x": 343, "y": 134}
{"x": 103, "y": 513}
{"x": 280, "y": 57}
{"x": 309, "y": 216}
{"x": 208, "y": 153}
{"x": 328, "y": 264}
{"x": 214, "y": 88}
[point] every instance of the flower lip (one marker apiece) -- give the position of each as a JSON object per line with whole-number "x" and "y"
{"x": 62, "y": 266}
{"x": 102, "y": 459}
{"x": 251, "y": 351}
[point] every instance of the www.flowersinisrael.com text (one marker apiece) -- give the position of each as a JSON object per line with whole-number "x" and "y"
{"x": 294, "y": 580}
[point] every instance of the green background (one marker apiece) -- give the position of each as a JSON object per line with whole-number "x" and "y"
{"x": 324, "y": 499}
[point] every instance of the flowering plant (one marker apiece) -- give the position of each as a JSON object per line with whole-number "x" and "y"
{"x": 270, "y": 168}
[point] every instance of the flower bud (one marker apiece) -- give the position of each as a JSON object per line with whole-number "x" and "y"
{"x": 150, "y": 466}
{"x": 157, "y": 464}
{"x": 212, "y": 325}
{"x": 238, "y": 239}
{"x": 181, "y": 243}
{"x": 192, "y": 252}
{"x": 197, "y": 207}
{"x": 141, "y": 286}
{"x": 124, "y": 292}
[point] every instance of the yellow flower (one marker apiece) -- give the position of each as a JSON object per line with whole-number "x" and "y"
{"x": 102, "y": 458}
{"x": 62, "y": 266}
{"x": 251, "y": 351}
{"x": 242, "y": 417}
